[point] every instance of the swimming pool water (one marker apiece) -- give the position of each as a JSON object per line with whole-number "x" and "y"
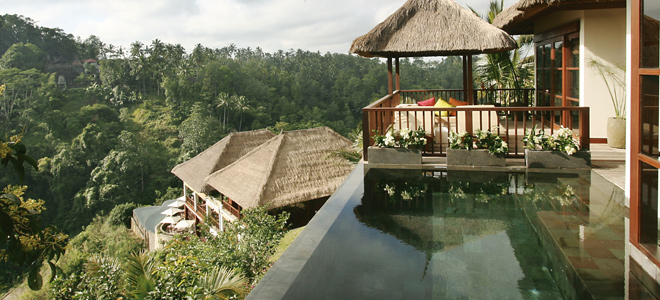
{"x": 439, "y": 234}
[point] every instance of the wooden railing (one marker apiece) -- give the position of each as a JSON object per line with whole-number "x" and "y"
{"x": 511, "y": 123}
{"x": 200, "y": 211}
{"x": 498, "y": 97}
{"x": 234, "y": 211}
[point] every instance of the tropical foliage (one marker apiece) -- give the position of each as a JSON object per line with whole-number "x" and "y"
{"x": 188, "y": 267}
{"x": 508, "y": 69}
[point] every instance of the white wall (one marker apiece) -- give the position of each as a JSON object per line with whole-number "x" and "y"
{"x": 603, "y": 37}
{"x": 604, "y": 32}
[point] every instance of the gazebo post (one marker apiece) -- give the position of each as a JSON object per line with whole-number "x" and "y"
{"x": 468, "y": 90}
{"x": 470, "y": 81}
{"x": 398, "y": 76}
{"x": 389, "y": 76}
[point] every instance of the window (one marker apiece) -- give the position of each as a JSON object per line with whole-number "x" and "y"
{"x": 645, "y": 113}
{"x": 558, "y": 71}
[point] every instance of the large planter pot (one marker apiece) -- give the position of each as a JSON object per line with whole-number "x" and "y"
{"x": 395, "y": 156}
{"x": 474, "y": 158}
{"x": 557, "y": 159}
{"x": 616, "y": 133}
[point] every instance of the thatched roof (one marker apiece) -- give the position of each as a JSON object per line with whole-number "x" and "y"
{"x": 519, "y": 18}
{"x": 221, "y": 154}
{"x": 292, "y": 167}
{"x": 432, "y": 28}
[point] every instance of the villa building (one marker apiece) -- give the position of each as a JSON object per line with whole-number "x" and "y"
{"x": 200, "y": 198}
{"x": 293, "y": 171}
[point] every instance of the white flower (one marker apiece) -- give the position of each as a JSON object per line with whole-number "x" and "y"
{"x": 570, "y": 150}
{"x": 389, "y": 140}
{"x": 389, "y": 189}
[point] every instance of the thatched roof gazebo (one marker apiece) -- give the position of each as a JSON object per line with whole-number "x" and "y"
{"x": 221, "y": 154}
{"x": 293, "y": 167}
{"x": 432, "y": 28}
{"x": 519, "y": 18}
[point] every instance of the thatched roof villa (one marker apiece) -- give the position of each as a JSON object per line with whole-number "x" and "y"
{"x": 294, "y": 171}
{"x": 292, "y": 168}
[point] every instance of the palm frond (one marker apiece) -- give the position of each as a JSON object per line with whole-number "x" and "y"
{"x": 223, "y": 283}
{"x": 139, "y": 279}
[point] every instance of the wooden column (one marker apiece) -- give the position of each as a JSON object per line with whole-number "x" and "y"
{"x": 468, "y": 87}
{"x": 635, "y": 124}
{"x": 390, "y": 88}
{"x": 470, "y": 81}
{"x": 398, "y": 76}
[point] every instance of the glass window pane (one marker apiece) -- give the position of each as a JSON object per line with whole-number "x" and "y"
{"x": 546, "y": 57}
{"x": 539, "y": 57}
{"x": 558, "y": 54}
{"x": 650, "y": 114}
{"x": 573, "y": 59}
{"x": 650, "y": 33}
{"x": 558, "y": 82}
{"x": 648, "y": 195}
{"x": 573, "y": 81}
{"x": 546, "y": 80}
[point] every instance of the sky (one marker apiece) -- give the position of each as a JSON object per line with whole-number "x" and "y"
{"x": 272, "y": 25}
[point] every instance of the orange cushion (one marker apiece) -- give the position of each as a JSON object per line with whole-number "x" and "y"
{"x": 455, "y": 102}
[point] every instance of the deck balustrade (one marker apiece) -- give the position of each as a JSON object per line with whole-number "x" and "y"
{"x": 233, "y": 210}
{"x": 509, "y": 122}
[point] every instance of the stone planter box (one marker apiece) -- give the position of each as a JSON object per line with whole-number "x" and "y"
{"x": 475, "y": 158}
{"x": 395, "y": 156}
{"x": 557, "y": 159}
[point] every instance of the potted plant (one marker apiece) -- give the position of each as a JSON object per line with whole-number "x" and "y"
{"x": 616, "y": 86}
{"x": 398, "y": 147}
{"x": 560, "y": 150}
{"x": 483, "y": 149}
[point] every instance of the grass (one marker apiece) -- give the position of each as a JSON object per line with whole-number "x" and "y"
{"x": 285, "y": 242}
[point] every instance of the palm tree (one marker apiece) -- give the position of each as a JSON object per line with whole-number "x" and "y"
{"x": 508, "y": 69}
{"x": 223, "y": 283}
{"x": 223, "y": 101}
{"x": 240, "y": 103}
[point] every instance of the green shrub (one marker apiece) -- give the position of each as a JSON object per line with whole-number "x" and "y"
{"x": 121, "y": 214}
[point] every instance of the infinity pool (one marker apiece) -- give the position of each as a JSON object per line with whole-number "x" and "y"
{"x": 439, "y": 234}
